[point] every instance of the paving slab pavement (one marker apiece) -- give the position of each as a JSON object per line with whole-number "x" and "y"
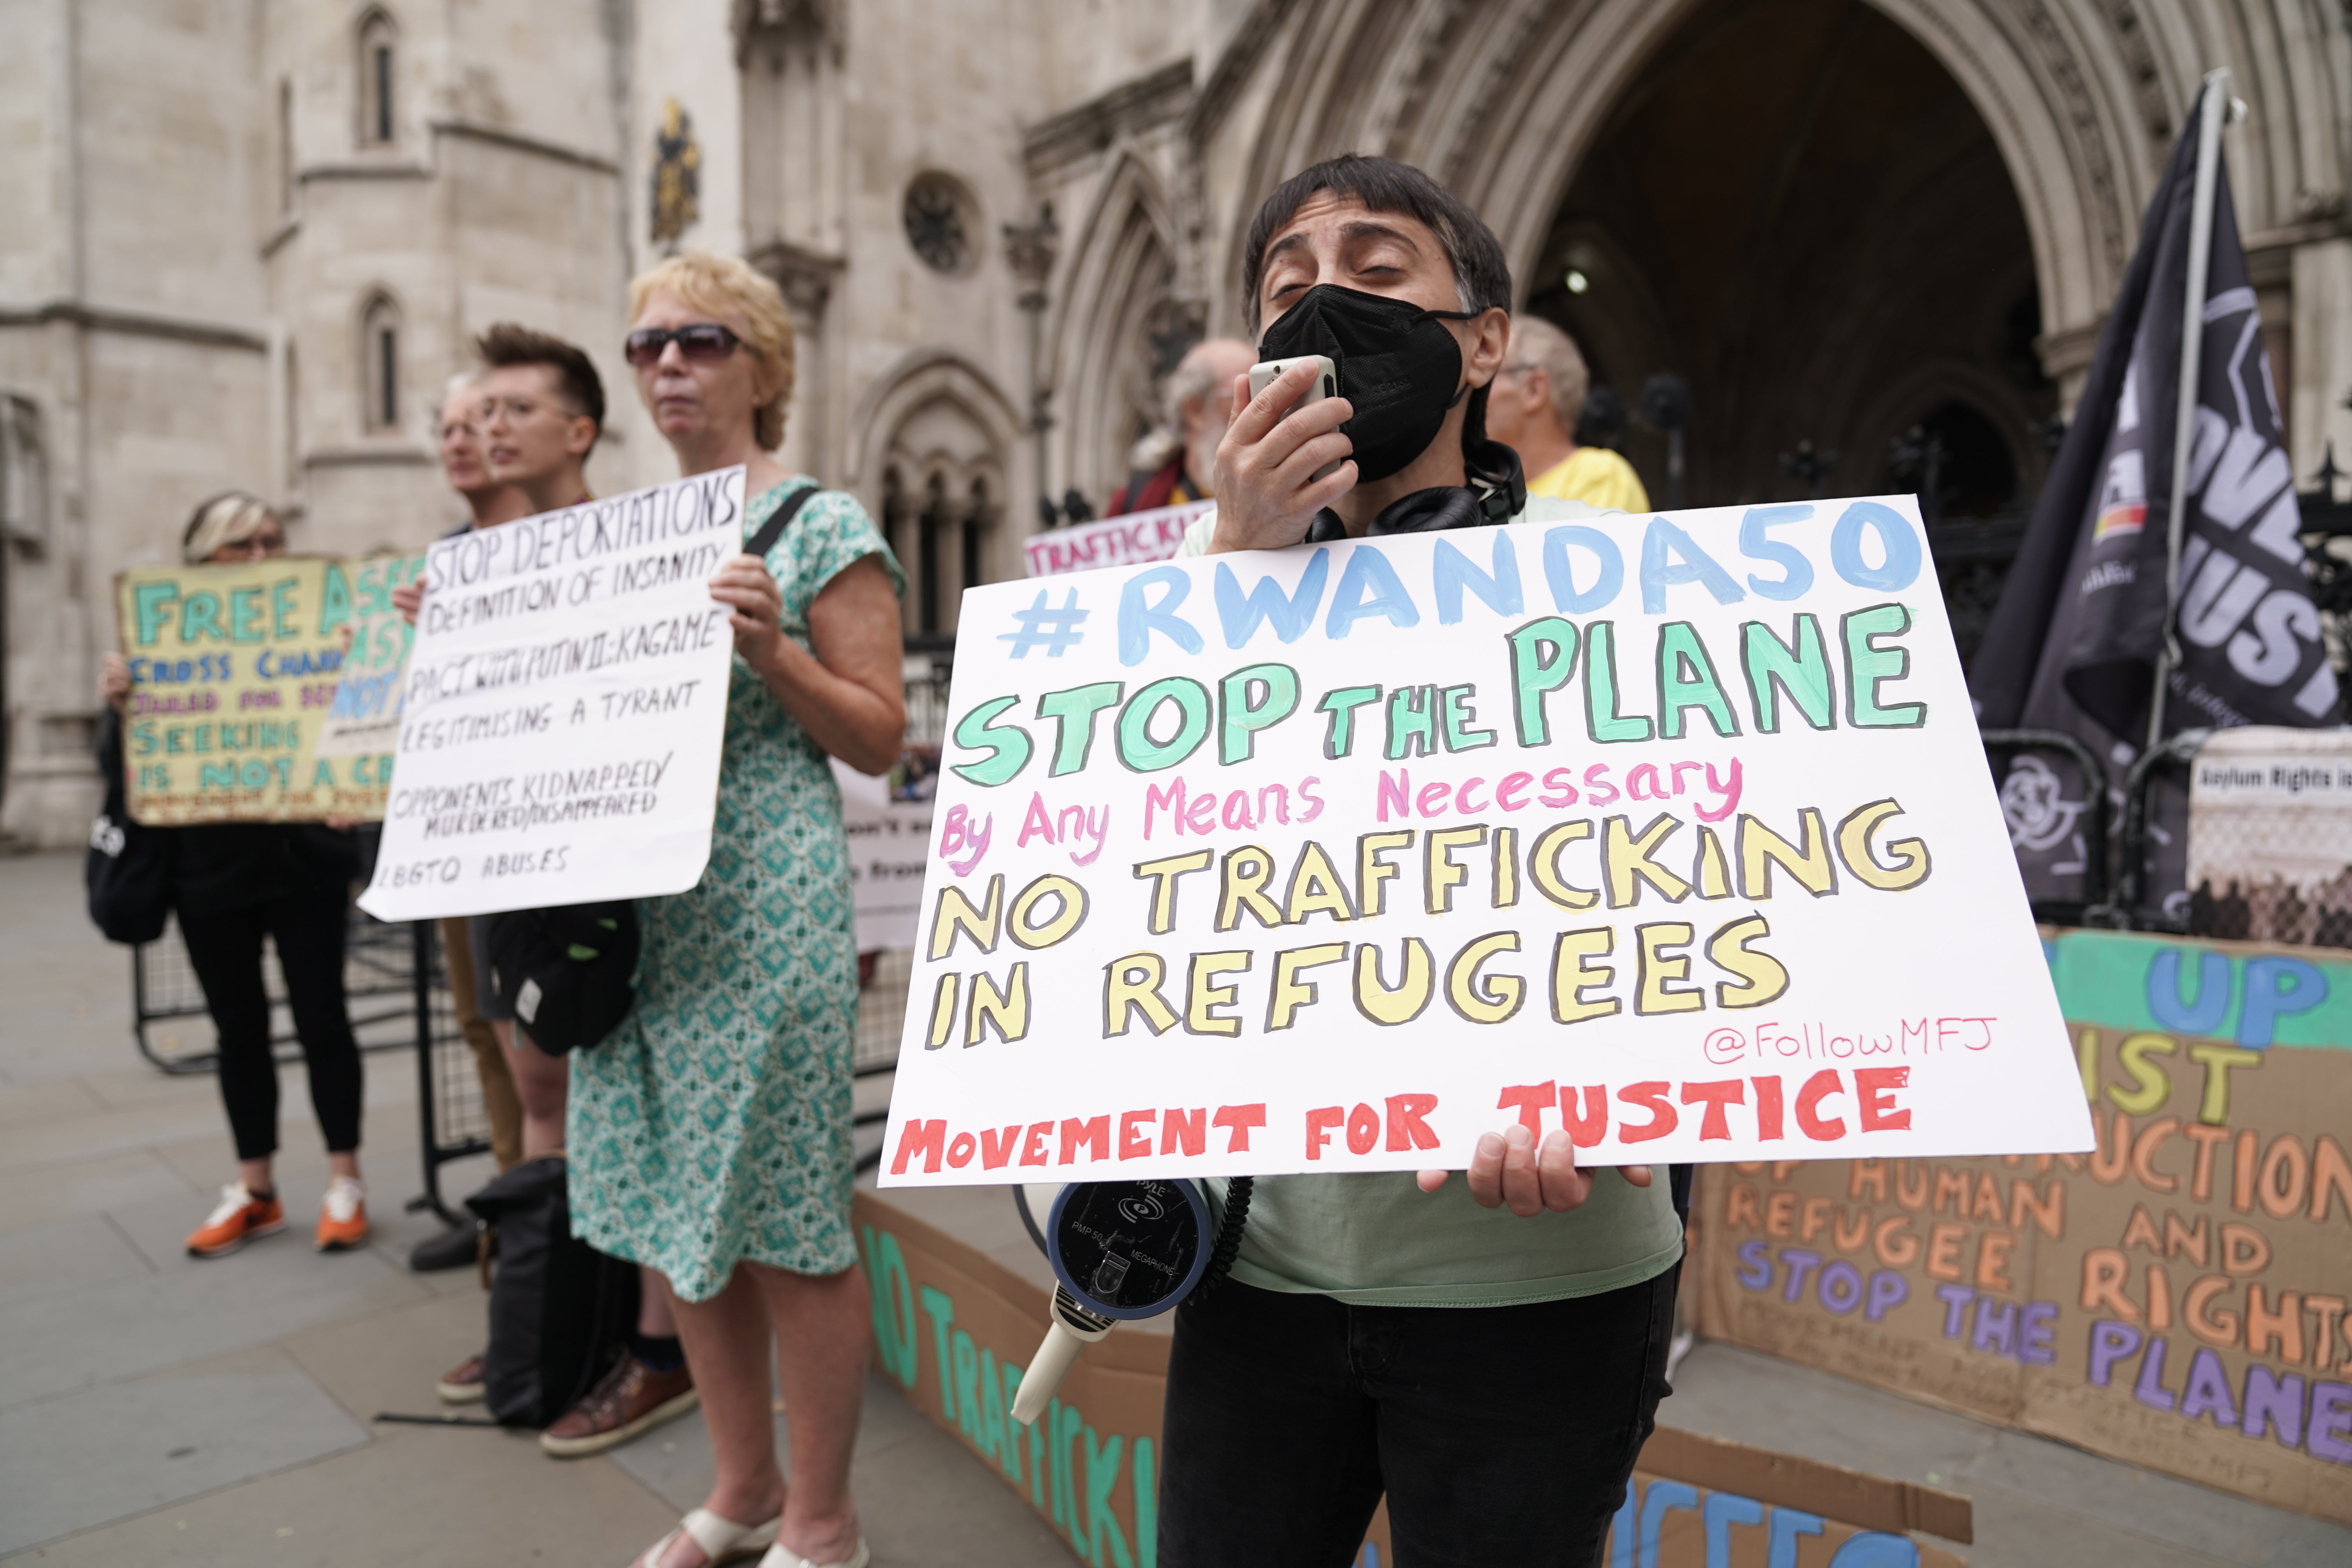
{"x": 155, "y": 1409}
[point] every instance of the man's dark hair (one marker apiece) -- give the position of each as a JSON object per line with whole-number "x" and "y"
{"x": 506, "y": 343}
{"x": 1385, "y": 186}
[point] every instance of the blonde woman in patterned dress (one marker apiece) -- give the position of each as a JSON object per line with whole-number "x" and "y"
{"x": 710, "y": 1135}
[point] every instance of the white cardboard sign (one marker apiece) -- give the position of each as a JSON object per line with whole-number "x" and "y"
{"x": 563, "y": 708}
{"x": 1672, "y": 831}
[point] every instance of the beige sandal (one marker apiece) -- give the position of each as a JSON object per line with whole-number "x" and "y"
{"x": 721, "y": 1539}
{"x": 780, "y": 1556}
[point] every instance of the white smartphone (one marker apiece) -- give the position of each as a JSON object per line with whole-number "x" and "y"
{"x": 1325, "y": 384}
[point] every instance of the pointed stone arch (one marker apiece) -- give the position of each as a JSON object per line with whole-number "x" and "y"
{"x": 930, "y": 455}
{"x": 1504, "y": 101}
{"x": 1119, "y": 316}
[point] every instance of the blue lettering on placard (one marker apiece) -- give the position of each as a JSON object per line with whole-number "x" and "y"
{"x": 1289, "y": 613}
{"x": 1498, "y": 590}
{"x": 1609, "y": 575}
{"x": 1796, "y": 573}
{"x": 1690, "y": 564}
{"x": 1901, "y": 566}
{"x": 1138, "y": 619}
{"x": 2267, "y": 989}
{"x": 1369, "y": 585}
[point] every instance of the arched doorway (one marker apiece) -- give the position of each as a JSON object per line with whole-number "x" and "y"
{"x": 1795, "y": 207}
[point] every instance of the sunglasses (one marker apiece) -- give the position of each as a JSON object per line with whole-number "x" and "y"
{"x": 702, "y": 341}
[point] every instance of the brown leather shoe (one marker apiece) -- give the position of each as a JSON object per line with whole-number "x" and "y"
{"x": 632, "y": 1398}
{"x": 462, "y": 1384}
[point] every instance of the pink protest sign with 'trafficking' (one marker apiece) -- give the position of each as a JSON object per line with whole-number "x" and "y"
{"x": 1137, "y": 539}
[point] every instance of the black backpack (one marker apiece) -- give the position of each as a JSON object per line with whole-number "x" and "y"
{"x": 127, "y": 873}
{"x": 560, "y": 1310}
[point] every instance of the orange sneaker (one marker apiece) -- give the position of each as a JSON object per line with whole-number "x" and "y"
{"x": 343, "y": 1219}
{"x": 240, "y": 1217}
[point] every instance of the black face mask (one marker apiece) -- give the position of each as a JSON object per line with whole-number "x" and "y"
{"x": 1397, "y": 363}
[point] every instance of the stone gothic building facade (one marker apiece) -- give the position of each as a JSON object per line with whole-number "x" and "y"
{"x": 247, "y": 241}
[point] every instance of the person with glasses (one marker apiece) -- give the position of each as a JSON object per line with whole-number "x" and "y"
{"x": 1538, "y": 399}
{"x": 233, "y": 884}
{"x": 466, "y": 469}
{"x": 541, "y": 404}
{"x": 711, "y": 1132}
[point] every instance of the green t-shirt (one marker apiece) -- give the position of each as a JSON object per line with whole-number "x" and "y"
{"x": 1377, "y": 1240}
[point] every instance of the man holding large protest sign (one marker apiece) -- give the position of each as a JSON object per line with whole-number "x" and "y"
{"x": 539, "y": 405}
{"x": 1493, "y": 1440}
{"x": 1351, "y": 832}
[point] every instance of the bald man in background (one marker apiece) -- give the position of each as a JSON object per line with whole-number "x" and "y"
{"x": 1174, "y": 464}
{"x": 1538, "y": 397}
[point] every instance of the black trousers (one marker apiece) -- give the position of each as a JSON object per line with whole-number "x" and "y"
{"x": 226, "y": 949}
{"x": 1500, "y": 1434}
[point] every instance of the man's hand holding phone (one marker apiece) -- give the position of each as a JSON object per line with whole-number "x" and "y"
{"x": 1272, "y": 477}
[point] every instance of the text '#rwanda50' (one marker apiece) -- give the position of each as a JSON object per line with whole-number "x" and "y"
{"x": 1672, "y": 832}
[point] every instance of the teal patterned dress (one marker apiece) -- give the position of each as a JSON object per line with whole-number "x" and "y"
{"x": 714, "y": 1124}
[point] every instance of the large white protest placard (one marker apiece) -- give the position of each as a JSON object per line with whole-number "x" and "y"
{"x": 1127, "y": 540}
{"x": 561, "y": 720}
{"x": 1673, "y": 832}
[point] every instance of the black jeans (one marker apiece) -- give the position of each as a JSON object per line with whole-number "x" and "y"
{"x": 224, "y": 946}
{"x": 1500, "y": 1434}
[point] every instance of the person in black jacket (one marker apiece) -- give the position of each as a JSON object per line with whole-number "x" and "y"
{"x": 232, "y": 884}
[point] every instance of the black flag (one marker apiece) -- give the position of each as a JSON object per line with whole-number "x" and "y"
{"x": 2074, "y": 643}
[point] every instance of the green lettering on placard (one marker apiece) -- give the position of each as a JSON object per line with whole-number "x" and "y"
{"x": 150, "y": 607}
{"x": 1867, "y": 664}
{"x": 334, "y": 600}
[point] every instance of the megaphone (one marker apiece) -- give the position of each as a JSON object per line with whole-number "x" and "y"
{"x": 1120, "y": 1251}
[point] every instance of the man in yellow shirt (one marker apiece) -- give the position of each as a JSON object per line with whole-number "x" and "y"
{"x": 1538, "y": 397}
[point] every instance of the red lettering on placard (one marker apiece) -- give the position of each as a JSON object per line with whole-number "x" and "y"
{"x": 1588, "y": 1126}
{"x": 1809, "y": 1122}
{"x": 1651, "y": 1095}
{"x": 1134, "y": 1134}
{"x": 1240, "y": 1119}
{"x": 996, "y": 1146}
{"x": 1187, "y": 1131}
{"x": 1033, "y": 1147}
{"x": 1873, "y": 1096}
{"x": 1091, "y": 1132}
{"x": 1319, "y": 1123}
{"x": 1407, "y": 1130}
{"x": 1768, "y": 1107}
{"x": 929, "y": 1139}
{"x": 1533, "y": 1100}
{"x": 1715, "y": 1123}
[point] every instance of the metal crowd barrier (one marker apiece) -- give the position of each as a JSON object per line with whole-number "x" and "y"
{"x": 453, "y": 1122}
{"x": 174, "y": 1033}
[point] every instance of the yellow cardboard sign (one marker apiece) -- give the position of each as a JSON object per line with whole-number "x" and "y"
{"x": 235, "y": 674}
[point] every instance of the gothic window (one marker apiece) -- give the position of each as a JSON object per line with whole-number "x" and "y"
{"x": 285, "y": 146}
{"x": 379, "y": 60}
{"x": 380, "y": 359}
{"x": 939, "y": 535}
{"x": 24, "y": 475}
{"x": 941, "y": 218}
